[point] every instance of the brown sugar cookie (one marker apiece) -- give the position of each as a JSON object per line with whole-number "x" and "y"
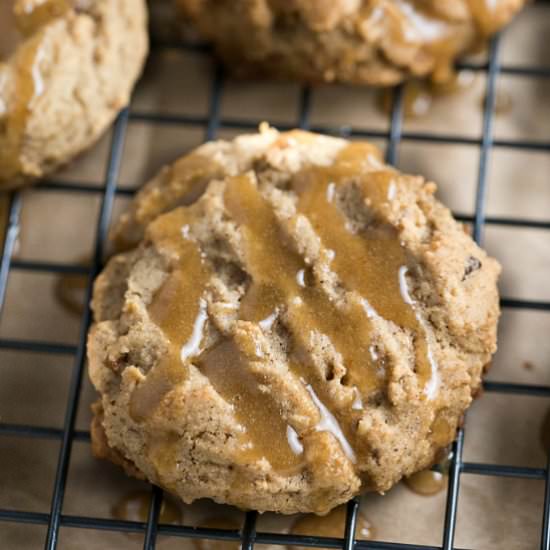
{"x": 313, "y": 325}
{"x": 66, "y": 68}
{"x": 378, "y": 42}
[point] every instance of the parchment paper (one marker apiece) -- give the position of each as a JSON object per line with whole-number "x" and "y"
{"x": 59, "y": 226}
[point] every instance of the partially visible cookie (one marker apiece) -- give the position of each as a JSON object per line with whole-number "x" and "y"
{"x": 313, "y": 325}
{"x": 378, "y": 42}
{"x": 66, "y": 68}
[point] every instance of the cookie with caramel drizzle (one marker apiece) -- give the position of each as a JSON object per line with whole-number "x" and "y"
{"x": 300, "y": 323}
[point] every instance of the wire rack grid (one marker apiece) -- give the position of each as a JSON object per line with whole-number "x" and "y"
{"x": 248, "y": 535}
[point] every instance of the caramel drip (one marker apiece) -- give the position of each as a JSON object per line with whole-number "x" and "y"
{"x": 274, "y": 267}
{"x": 217, "y": 522}
{"x": 423, "y": 25}
{"x": 503, "y": 102}
{"x": 21, "y": 84}
{"x": 181, "y": 184}
{"x": 370, "y": 263}
{"x": 420, "y": 95}
{"x": 426, "y": 482}
{"x": 33, "y": 14}
{"x": 70, "y": 290}
{"x": 178, "y": 309}
{"x": 10, "y": 37}
{"x": 442, "y": 431}
{"x": 412, "y": 26}
{"x": 135, "y": 507}
{"x": 370, "y": 267}
{"x": 227, "y": 368}
{"x": 22, "y": 81}
{"x": 332, "y": 525}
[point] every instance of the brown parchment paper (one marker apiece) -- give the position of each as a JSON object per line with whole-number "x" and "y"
{"x": 60, "y": 226}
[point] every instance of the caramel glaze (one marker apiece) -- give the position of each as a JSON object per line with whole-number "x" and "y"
{"x": 181, "y": 184}
{"x": 176, "y": 309}
{"x": 9, "y": 35}
{"x": 420, "y": 95}
{"x": 332, "y": 525}
{"x": 275, "y": 269}
{"x": 266, "y": 432}
{"x": 286, "y": 286}
{"x": 503, "y": 102}
{"x": 426, "y": 482}
{"x": 21, "y": 79}
{"x": 423, "y": 24}
{"x": 135, "y": 507}
{"x": 70, "y": 289}
{"x": 179, "y": 309}
{"x": 378, "y": 249}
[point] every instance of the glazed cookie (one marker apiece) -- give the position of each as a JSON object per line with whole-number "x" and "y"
{"x": 66, "y": 68}
{"x": 311, "y": 325}
{"x": 378, "y": 42}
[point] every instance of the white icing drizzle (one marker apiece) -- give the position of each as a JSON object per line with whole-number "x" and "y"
{"x": 357, "y": 404}
{"x": 331, "y": 188}
{"x": 392, "y": 191}
{"x": 258, "y": 351}
{"x": 403, "y": 286}
{"x": 294, "y": 441}
{"x": 37, "y": 75}
{"x": 300, "y": 278}
{"x": 3, "y": 105}
{"x": 267, "y": 323}
{"x": 185, "y": 231}
{"x": 193, "y": 346}
{"x": 328, "y": 423}
{"x": 420, "y": 26}
{"x": 373, "y": 353}
{"x": 433, "y": 385}
{"x": 369, "y": 310}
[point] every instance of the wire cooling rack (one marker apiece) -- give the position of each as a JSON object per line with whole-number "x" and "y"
{"x": 248, "y": 535}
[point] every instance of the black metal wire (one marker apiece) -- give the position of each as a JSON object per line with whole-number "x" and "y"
{"x": 248, "y": 535}
{"x": 396, "y": 123}
{"x": 111, "y": 176}
{"x": 212, "y": 122}
{"x": 153, "y": 519}
{"x": 545, "y": 535}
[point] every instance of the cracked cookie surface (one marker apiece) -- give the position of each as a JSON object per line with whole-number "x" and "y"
{"x": 299, "y": 323}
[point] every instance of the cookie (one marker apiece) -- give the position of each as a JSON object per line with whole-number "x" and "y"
{"x": 66, "y": 68}
{"x": 310, "y": 324}
{"x": 379, "y": 42}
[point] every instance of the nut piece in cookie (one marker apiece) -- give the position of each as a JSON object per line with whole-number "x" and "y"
{"x": 298, "y": 332}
